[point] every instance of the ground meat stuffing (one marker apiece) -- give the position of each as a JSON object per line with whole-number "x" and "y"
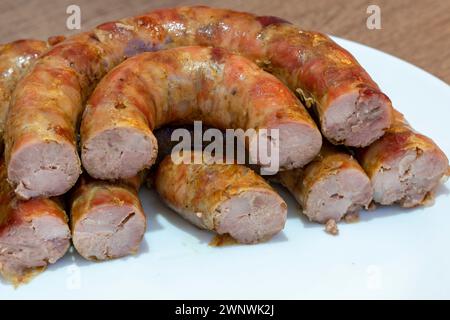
{"x": 331, "y": 227}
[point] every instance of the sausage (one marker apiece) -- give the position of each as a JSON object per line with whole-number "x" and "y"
{"x": 107, "y": 218}
{"x": 40, "y": 128}
{"x": 224, "y": 198}
{"x": 349, "y": 105}
{"x": 166, "y": 144}
{"x": 33, "y": 233}
{"x": 405, "y": 167}
{"x": 40, "y": 139}
{"x": 15, "y": 58}
{"x": 181, "y": 85}
{"x": 330, "y": 187}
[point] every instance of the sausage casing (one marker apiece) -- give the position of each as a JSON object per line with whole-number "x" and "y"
{"x": 33, "y": 233}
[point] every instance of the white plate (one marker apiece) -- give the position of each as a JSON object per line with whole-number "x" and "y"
{"x": 390, "y": 253}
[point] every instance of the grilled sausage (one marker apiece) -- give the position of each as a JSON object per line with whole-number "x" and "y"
{"x": 40, "y": 142}
{"x": 15, "y": 58}
{"x": 107, "y": 219}
{"x": 33, "y": 233}
{"x": 405, "y": 167}
{"x": 179, "y": 86}
{"x": 331, "y": 186}
{"x": 226, "y": 199}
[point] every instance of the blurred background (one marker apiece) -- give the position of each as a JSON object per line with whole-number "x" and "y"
{"x": 417, "y": 31}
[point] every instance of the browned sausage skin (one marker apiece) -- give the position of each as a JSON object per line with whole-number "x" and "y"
{"x": 179, "y": 86}
{"x": 33, "y": 233}
{"x": 329, "y": 187}
{"x": 107, "y": 219}
{"x": 405, "y": 167}
{"x": 15, "y": 58}
{"x": 40, "y": 136}
{"x": 226, "y": 199}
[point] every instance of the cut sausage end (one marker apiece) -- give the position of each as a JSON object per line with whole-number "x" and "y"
{"x": 44, "y": 169}
{"x": 28, "y": 247}
{"x": 298, "y": 145}
{"x": 334, "y": 196}
{"x": 252, "y": 216}
{"x": 357, "y": 118}
{"x": 119, "y": 153}
{"x": 409, "y": 178}
{"x": 109, "y": 232}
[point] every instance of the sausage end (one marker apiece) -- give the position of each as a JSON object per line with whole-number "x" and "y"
{"x": 336, "y": 195}
{"x": 43, "y": 169}
{"x": 118, "y": 153}
{"x": 357, "y": 118}
{"x": 298, "y": 144}
{"x": 252, "y": 216}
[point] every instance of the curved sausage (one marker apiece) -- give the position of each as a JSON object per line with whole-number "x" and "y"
{"x": 329, "y": 187}
{"x": 33, "y": 233}
{"x": 107, "y": 219}
{"x": 226, "y": 199}
{"x": 15, "y": 58}
{"x": 179, "y": 86}
{"x": 405, "y": 167}
{"x": 41, "y": 145}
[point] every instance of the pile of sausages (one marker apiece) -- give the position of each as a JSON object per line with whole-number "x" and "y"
{"x": 116, "y": 84}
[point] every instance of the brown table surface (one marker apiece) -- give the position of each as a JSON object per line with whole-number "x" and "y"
{"x": 415, "y": 30}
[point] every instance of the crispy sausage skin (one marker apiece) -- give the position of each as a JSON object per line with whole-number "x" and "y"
{"x": 33, "y": 233}
{"x": 181, "y": 85}
{"x": 107, "y": 218}
{"x": 40, "y": 139}
{"x": 15, "y": 58}
{"x": 404, "y": 166}
{"x": 329, "y": 187}
{"x": 226, "y": 199}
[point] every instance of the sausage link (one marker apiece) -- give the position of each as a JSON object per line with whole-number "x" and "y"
{"x": 226, "y": 199}
{"x": 329, "y": 187}
{"x": 33, "y": 233}
{"x": 107, "y": 219}
{"x": 405, "y": 167}
{"x": 350, "y": 106}
{"x": 179, "y": 86}
{"x": 15, "y": 59}
{"x": 40, "y": 139}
